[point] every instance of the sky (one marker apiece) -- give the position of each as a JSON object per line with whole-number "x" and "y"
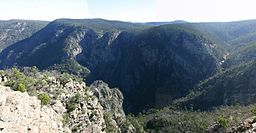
{"x": 130, "y": 10}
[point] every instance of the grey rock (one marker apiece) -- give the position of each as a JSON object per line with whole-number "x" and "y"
{"x": 23, "y": 113}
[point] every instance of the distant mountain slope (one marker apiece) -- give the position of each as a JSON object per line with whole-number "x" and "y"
{"x": 158, "y": 63}
{"x": 59, "y": 41}
{"x": 237, "y": 39}
{"x": 13, "y": 31}
{"x": 243, "y": 55}
{"x": 234, "y": 86}
{"x": 102, "y": 26}
{"x": 231, "y": 35}
{"x": 165, "y": 23}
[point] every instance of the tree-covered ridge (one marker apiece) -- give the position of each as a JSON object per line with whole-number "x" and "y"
{"x": 233, "y": 86}
{"x": 13, "y": 31}
{"x": 102, "y": 26}
{"x": 172, "y": 119}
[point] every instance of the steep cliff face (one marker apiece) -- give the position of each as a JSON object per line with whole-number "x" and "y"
{"x": 159, "y": 64}
{"x": 13, "y": 31}
{"x": 112, "y": 102}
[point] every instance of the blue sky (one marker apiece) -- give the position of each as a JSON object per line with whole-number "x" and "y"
{"x": 130, "y": 10}
{"x": 43, "y": 9}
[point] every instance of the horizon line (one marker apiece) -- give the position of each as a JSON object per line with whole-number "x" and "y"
{"x": 185, "y": 21}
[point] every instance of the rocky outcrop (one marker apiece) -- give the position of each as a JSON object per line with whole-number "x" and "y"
{"x": 112, "y": 101}
{"x": 20, "y": 112}
{"x": 87, "y": 114}
{"x": 216, "y": 128}
{"x": 72, "y": 106}
{"x": 96, "y": 108}
{"x": 248, "y": 126}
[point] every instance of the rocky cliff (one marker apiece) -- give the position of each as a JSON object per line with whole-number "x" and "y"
{"x": 68, "y": 105}
{"x": 22, "y": 113}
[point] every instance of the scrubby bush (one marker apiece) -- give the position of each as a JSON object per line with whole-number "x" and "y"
{"x": 70, "y": 107}
{"x": 175, "y": 120}
{"x": 72, "y": 103}
{"x": 21, "y": 87}
{"x": 65, "y": 119}
{"x": 223, "y": 121}
{"x": 44, "y": 97}
{"x": 136, "y": 122}
{"x": 65, "y": 78}
{"x": 253, "y": 111}
{"x": 18, "y": 81}
{"x": 110, "y": 128}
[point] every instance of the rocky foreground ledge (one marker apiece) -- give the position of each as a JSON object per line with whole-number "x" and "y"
{"x": 247, "y": 126}
{"x": 68, "y": 105}
{"x": 21, "y": 113}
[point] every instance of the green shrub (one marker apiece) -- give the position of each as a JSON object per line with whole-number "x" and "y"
{"x": 16, "y": 73}
{"x": 65, "y": 78}
{"x": 253, "y": 111}
{"x": 223, "y": 121}
{"x": 136, "y": 122}
{"x": 70, "y": 107}
{"x": 109, "y": 127}
{"x": 72, "y": 103}
{"x": 44, "y": 97}
{"x": 65, "y": 119}
{"x": 21, "y": 87}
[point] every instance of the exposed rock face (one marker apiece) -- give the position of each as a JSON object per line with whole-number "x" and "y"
{"x": 88, "y": 114}
{"x": 20, "y": 112}
{"x": 216, "y": 128}
{"x": 159, "y": 68}
{"x": 112, "y": 101}
{"x": 248, "y": 126}
{"x": 93, "y": 104}
{"x": 73, "y": 106}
